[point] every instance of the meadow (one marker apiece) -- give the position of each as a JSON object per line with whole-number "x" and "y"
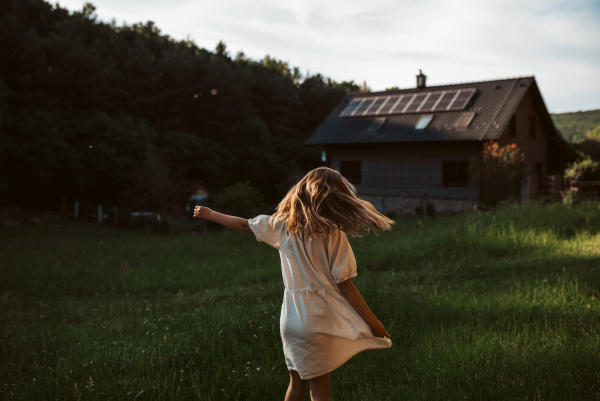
{"x": 500, "y": 305}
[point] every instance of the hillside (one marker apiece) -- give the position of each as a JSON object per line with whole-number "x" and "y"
{"x": 573, "y": 126}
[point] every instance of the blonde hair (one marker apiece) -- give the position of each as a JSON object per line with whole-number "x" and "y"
{"x": 324, "y": 200}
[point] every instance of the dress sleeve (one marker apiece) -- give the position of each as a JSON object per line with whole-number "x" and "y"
{"x": 341, "y": 257}
{"x": 264, "y": 231}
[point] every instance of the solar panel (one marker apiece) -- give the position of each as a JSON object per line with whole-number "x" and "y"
{"x": 446, "y": 99}
{"x": 461, "y": 100}
{"x": 401, "y": 105}
{"x": 350, "y": 108}
{"x": 414, "y": 105}
{"x": 430, "y": 102}
{"x": 375, "y": 105}
{"x": 419, "y": 102}
{"x": 385, "y": 109}
{"x": 362, "y": 107}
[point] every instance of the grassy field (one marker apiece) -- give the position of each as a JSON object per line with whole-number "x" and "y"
{"x": 495, "y": 306}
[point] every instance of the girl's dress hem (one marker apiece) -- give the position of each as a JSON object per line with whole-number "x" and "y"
{"x": 348, "y": 357}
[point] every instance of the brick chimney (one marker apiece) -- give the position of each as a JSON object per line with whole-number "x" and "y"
{"x": 421, "y": 78}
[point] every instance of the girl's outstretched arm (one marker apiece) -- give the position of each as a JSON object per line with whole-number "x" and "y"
{"x": 350, "y": 292}
{"x": 235, "y": 223}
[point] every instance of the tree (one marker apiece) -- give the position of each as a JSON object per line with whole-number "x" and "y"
{"x": 591, "y": 144}
{"x": 241, "y": 199}
{"x": 157, "y": 186}
{"x": 497, "y": 173}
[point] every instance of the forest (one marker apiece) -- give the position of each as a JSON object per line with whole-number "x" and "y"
{"x": 577, "y": 126}
{"x": 87, "y": 106}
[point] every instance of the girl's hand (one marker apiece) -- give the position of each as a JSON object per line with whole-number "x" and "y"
{"x": 201, "y": 212}
{"x": 378, "y": 330}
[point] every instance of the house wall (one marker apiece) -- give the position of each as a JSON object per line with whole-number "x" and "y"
{"x": 396, "y": 177}
{"x": 535, "y": 149}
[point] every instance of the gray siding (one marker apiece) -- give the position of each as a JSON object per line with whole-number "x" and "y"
{"x": 409, "y": 170}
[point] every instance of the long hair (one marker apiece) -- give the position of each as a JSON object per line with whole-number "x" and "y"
{"x": 324, "y": 200}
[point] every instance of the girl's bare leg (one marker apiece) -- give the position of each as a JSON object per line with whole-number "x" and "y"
{"x": 297, "y": 387}
{"x": 319, "y": 387}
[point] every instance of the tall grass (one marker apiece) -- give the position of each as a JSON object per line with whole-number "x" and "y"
{"x": 494, "y": 306}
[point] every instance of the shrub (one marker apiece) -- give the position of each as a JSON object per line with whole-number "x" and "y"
{"x": 591, "y": 144}
{"x": 497, "y": 173}
{"x": 241, "y": 199}
{"x": 586, "y": 169}
{"x": 571, "y": 198}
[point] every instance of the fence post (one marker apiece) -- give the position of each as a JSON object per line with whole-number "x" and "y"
{"x": 76, "y": 209}
{"x": 425, "y": 206}
{"x": 115, "y": 209}
{"x": 99, "y": 213}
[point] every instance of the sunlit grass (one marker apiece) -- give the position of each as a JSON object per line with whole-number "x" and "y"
{"x": 494, "y": 306}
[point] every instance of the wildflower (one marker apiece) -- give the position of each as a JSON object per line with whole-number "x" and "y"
{"x": 181, "y": 371}
{"x": 77, "y": 393}
{"x": 260, "y": 327}
{"x": 90, "y": 384}
{"x": 258, "y": 369}
{"x": 91, "y": 361}
{"x": 180, "y": 380}
{"x": 250, "y": 321}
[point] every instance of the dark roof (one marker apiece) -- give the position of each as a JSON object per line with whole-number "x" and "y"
{"x": 494, "y": 102}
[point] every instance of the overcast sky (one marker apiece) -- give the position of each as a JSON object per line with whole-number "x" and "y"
{"x": 386, "y": 42}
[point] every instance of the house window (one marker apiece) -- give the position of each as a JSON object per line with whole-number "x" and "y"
{"x": 376, "y": 124}
{"x": 532, "y": 126}
{"x": 512, "y": 126}
{"x": 455, "y": 174}
{"x": 351, "y": 170}
{"x": 464, "y": 120}
{"x": 423, "y": 123}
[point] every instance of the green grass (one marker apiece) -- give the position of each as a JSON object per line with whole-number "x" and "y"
{"x": 494, "y": 306}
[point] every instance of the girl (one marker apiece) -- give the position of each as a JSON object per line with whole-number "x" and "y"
{"x": 324, "y": 320}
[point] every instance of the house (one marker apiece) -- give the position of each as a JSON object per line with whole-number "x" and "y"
{"x": 402, "y": 147}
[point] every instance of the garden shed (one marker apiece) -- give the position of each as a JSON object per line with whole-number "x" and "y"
{"x": 402, "y": 147}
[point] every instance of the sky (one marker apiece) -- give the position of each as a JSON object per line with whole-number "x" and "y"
{"x": 387, "y": 42}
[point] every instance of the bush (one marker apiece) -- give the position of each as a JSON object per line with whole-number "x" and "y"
{"x": 591, "y": 144}
{"x": 571, "y": 198}
{"x": 241, "y": 199}
{"x": 497, "y": 173}
{"x": 584, "y": 170}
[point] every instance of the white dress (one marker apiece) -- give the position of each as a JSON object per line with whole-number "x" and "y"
{"x": 319, "y": 328}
